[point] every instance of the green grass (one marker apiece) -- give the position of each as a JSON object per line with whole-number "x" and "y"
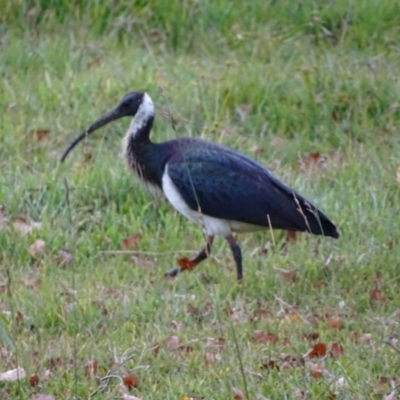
{"x": 317, "y": 78}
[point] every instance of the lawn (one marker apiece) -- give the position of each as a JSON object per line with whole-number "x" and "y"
{"x": 310, "y": 90}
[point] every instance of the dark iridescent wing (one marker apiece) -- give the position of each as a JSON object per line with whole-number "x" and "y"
{"x": 226, "y": 184}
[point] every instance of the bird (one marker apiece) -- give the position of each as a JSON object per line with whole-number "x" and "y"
{"x": 217, "y": 187}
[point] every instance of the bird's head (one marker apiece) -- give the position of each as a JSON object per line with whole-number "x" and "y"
{"x": 134, "y": 104}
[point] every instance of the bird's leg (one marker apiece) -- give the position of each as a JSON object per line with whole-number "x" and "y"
{"x": 237, "y": 255}
{"x": 190, "y": 263}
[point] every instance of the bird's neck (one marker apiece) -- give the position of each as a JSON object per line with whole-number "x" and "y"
{"x": 138, "y": 149}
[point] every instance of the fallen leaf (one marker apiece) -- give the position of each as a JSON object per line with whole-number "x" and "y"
{"x": 25, "y": 225}
{"x": 185, "y": 348}
{"x": 391, "y": 396}
{"x": 113, "y": 292}
{"x": 131, "y": 381}
{"x": 63, "y": 258}
{"x": 299, "y": 394}
{"x": 216, "y": 344}
{"x": 172, "y": 342}
{"x": 365, "y": 337}
{"x": 39, "y": 134}
{"x": 42, "y": 396}
{"x": 34, "y": 380}
{"x": 290, "y": 236}
{"x": 288, "y": 275}
{"x": 311, "y": 336}
{"x": 270, "y": 364}
{"x": 237, "y": 394}
{"x": 91, "y": 368}
{"x": 19, "y": 317}
{"x": 335, "y": 323}
{"x": 130, "y": 242}
{"x": 334, "y": 116}
{"x": 316, "y": 370}
{"x": 32, "y": 283}
{"x": 341, "y": 383}
{"x": 377, "y": 296}
{"x": 264, "y": 337}
{"x": 99, "y": 304}
{"x": 12, "y": 375}
{"x": 211, "y": 358}
{"x": 235, "y": 314}
{"x": 319, "y": 350}
{"x": 37, "y": 248}
{"x": 312, "y": 161}
{"x": 337, "y": 350}
{"x": 260, "y": 314}
{"x": 256, "y": 149}
{"x": 126, "y": 396}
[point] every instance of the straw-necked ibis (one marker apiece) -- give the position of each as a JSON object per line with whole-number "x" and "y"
{"x": 214, "y": 186}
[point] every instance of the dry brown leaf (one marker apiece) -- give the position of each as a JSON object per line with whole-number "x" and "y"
{"x": 63, "y": 258}
{"x": 131, "y": 380}
{"x": 25, "y": 225}
{"x": 130, "y": 242}
{"x": 37, "y": 248}
{"x": 12, "y": 375}
{"x": 256, "y": 149}
{"x": 42, "y": 396}
{"x": 391, "y": 396}
{"x": 299, "y": 394}
{"x": 39, "y": 134}
{"x": 177, "y": 325}
{"x": 260, "y": 314}
{"x": 335, "y": 323}
{"x": 216, "y": 344}
{"x": 235, "y": 314}
{"x": 311, "y": 336}
{"x": 172, "y": 342}
{"x": 126, "y": 396}
{"x": 237, "y": 394}
{"x": 34, "y": 380}
{"x": 312, "y": 161}
{"x": 365, "y": 337}
{"x": 334, "y": 116}
{"x": 270, "y": 364}
{"x": 316, "y": 370}
{"x": 377, "y": 296}
{"x": 319, "y": 350}
{"x": 91, "y": 368}
{"x": 211, "y": 358}
{"x": 32, "y": 283}
{"x": 264, "y": 337}
{"x": 337, "y": 350}
{"x": 288, "y": 275}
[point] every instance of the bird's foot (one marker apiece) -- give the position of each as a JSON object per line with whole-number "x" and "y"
{"x": 184, "y": 264}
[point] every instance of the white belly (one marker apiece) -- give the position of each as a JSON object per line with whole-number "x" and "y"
{"x": 211, "y": 225}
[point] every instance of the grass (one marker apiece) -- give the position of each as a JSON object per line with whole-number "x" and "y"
{"x": 315, "y": 78}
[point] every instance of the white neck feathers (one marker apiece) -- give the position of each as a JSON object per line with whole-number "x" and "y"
{"x": 144, "y": 113}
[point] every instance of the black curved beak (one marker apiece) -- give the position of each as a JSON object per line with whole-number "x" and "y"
{"x": 110, "y": 116}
